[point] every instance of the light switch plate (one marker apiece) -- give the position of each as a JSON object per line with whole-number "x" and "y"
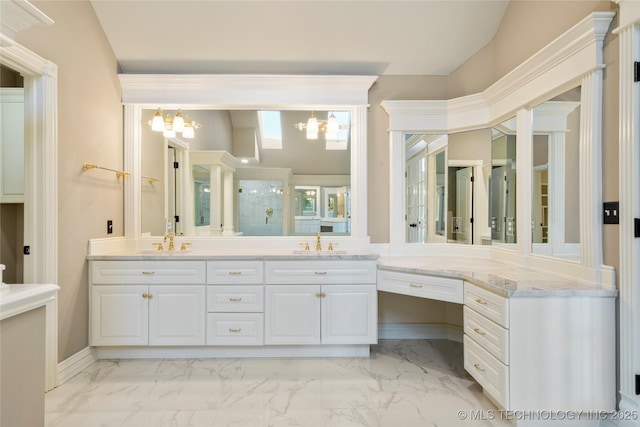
{"x": 611, "y": 213}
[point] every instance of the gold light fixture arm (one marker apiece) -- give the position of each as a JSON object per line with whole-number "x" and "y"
{"x": 119, "y": 174}
{"x": 150, "y": 179}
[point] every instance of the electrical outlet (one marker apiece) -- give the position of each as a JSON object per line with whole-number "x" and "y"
{"x": 109, "y": 226}
{"x": 611, "y": 212}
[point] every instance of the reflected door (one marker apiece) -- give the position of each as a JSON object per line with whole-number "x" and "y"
{"x": 260, "y": 208}
{"x": 416, "y": 174}
{"x": 462, "y": 218}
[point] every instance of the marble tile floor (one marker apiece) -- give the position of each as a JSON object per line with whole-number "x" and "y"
{"x": 405, "y": 383}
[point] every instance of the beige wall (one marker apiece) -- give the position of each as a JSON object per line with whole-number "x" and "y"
{"x": 89, "y": 130}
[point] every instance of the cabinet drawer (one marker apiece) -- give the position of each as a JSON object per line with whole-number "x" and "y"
{"x": 487, "y": 304}
{"x": 320, "y": 272}
{"x": 438, "y": 288}
{"x": 491, "y": 336}
{"x": 235, "y": 329}
{"x": 235, "y": 272}
{"x": 151, "y": 272}
{"x": 235, "y": 299}
{"x": 490, "y": 373}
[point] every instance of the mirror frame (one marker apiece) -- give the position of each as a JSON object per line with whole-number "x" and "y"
{"x": 248, "y": 92}
{"x": 562, "y": 64}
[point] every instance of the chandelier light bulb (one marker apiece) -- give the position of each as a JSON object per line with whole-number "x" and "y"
{"x": 157, "y": 124}
{"x": 178, "y": 122}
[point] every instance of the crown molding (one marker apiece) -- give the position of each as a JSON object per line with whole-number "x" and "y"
{"x": 18, "y": 15}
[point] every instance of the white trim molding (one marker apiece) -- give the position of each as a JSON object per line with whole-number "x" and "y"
{"x": 574, "y": 59}
{"x": 73, "y": 365}
{"x": 41, "y": 160}
{"x": 629, "y": 181}
{"x": 420, "y": 331}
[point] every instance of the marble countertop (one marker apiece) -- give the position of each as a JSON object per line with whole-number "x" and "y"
{"x": 153, "y": 255}
{"x": 504, "y": 279}
{"x": 16, "y": 299}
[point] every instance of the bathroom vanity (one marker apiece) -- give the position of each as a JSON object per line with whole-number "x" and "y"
{"x": 248, "y": 305}
{"x": 528, "y": 339}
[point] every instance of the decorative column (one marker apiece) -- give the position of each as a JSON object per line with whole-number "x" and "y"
{"x": 590, "y": 153}
{"x": 215, "y": 200}
{"x": 556, "y": 190}
{"x": 359, "y": 173}
{"x": 629, "y": 182}
{"x": 228, "y": 227}
{"x": 133, "y": 163}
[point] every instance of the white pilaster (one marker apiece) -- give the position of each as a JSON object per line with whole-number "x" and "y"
{"x": 359, "y": 172}
{"x": 228, "y": 227}
{"x": 524, "y": 180}
{"x": 556, "y": 190}
{"x": 397, "y": 184}
{"x": 629, "y": 181}
{"x": 132, "y": 163}
{"x": 215, "y": 221}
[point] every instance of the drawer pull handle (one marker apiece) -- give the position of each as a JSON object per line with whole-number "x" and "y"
{"x": 479, "y": 331}
{"x": 235, "y": 273}
{"x": 235, "y": 330}
{"x": 477, "y": 366}
{"x": 415, "y": 286}
{"x": 148, "y": 273}
{"x": 235, "y": 299}
{"x": 479, "y": 301}
{"x": 321, "y": 273}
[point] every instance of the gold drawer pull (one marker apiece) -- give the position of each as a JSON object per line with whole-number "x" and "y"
{"x": 321, "y": 295}
{"x": 235, "y": 273}
{"x": 148, "y": 273}
{"x": 235, "y": 330}
{"x": 477, "y": 366}
{"x": 479, "y": 301}
{"x": 415, "y": 286}
{"x": 321, "y": 273}
{"x": 235, "y": 299}
{"x": 479, "y": 331}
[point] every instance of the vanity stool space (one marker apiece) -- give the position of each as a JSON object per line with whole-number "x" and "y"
{"x": 544, "y": 347}
{"x": 254, "y": 306}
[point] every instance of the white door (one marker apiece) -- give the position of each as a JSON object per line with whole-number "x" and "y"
{"x": 119, "y": 315}
{"x": 462, "y": 223}
{"x": 177, "y": 315}
{"x": 416, "y": 195}
{"x": 349, "y": 314}
{"x": 292, "y": 314}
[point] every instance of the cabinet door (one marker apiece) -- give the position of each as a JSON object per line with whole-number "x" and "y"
{"x": 292, "y": 314}
{"x": 349, "y": 314}
{"x": 177, "y": 315}
{"x": 119, "y": 315}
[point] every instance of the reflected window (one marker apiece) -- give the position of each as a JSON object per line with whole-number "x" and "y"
{"x": 271, "y": 129}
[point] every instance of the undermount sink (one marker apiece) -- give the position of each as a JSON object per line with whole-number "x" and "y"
{"x": 319, "y": 253}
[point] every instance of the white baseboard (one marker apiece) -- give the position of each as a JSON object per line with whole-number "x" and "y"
{"x": 72, "y": 366}
{"x": 417, "y": 331}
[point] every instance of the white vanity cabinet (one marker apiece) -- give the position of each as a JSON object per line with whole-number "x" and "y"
{"x": 541, "y": 352}
{"x": 137, "y": 303}
{"x": 235, "y": 303}
{"x": 320, "y": 302}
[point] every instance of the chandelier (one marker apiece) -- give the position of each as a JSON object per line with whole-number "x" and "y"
{"x": 314, "y": 126}
{"x": 169, "y": 124}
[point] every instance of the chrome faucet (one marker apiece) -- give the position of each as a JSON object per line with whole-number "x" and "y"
{"x": 318, "y": 244}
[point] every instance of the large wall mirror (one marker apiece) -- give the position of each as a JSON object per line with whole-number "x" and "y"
{"x": 283, "y": 180}
{"x": 555, "y": 175}
{"x": 236, "y": 116}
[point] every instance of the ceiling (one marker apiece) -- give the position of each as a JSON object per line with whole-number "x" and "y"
{"x": 394, "y": 37}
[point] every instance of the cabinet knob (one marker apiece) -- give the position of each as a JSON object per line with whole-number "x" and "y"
{"x": 149, "y": 296}
{"x": 321, "y": 295}
{"x": 145, "y": 295}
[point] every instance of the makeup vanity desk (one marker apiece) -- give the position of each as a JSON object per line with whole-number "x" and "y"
{"x": 532, "y": 340}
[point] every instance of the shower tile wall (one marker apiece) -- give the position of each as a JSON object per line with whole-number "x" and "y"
{"x": 256, "y": 200}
